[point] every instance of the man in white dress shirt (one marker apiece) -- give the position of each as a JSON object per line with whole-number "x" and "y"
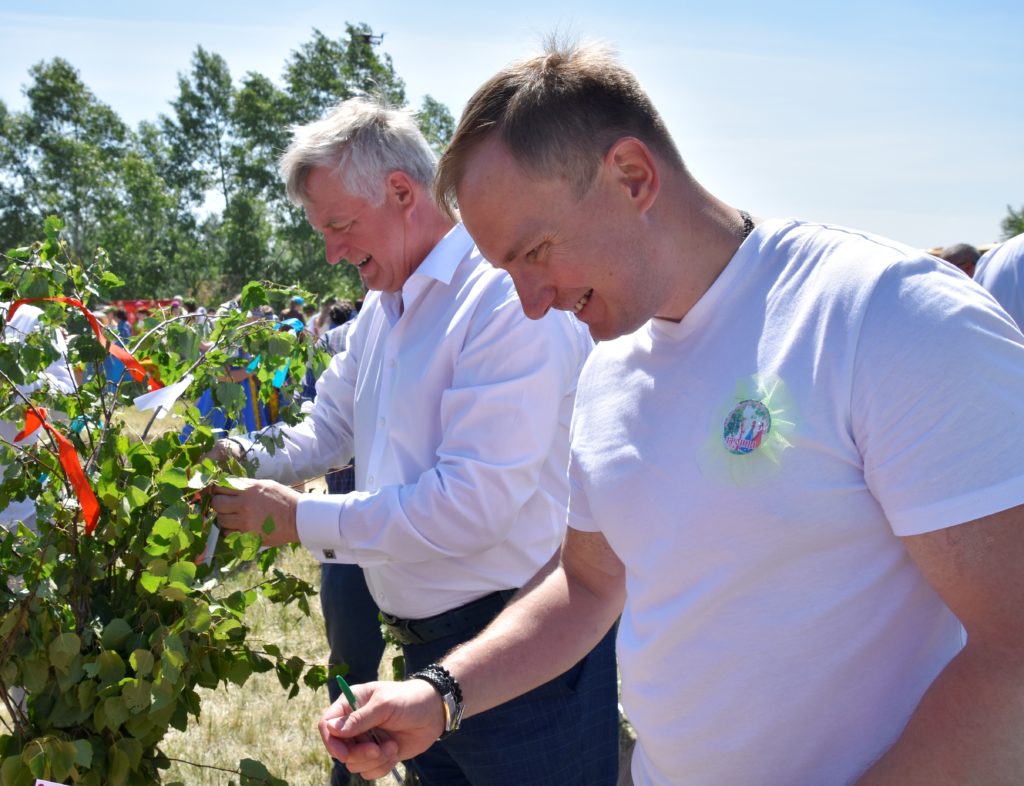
{"x": 457, "y": 409}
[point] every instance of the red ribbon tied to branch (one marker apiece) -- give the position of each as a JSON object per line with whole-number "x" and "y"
{"x": 36, "y": 417}
{"x": 130, "y": 363}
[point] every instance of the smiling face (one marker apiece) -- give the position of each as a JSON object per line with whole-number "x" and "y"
{"x": 356, "y": 231}
{"x": 593, "y": 256}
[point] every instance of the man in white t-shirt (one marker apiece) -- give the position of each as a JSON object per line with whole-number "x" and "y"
{"x": 1000, "y": 271}
{"x": 794, "y": 467}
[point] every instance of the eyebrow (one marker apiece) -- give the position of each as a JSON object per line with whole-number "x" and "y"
{"x": 526, "y": 239}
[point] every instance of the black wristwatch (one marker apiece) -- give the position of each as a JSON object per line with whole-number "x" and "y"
{"x": 451, "y": 695}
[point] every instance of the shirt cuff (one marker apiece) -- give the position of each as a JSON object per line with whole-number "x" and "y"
{"x": 318, "y": 524}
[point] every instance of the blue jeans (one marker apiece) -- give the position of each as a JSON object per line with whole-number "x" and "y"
{"x": 564, "y": 733}
{"x": 353, "y": 632}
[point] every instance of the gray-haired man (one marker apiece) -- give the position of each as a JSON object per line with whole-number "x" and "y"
{"x": 456, "y": 408}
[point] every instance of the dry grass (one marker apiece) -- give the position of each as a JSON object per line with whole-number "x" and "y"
{"x": 257, "y": 720}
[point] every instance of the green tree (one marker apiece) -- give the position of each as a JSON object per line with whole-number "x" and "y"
{"x": 62, "y": 155}
{"x": 323, "y": 72}
{"x": 200, "y": 133}
{"x": 16, "y": 208}
{"x": 1013, "y": 224}
{"x": 436, "y": 123}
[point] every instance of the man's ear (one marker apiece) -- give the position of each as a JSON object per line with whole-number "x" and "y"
{"x": 630, "y": 162}
{"x": 399, "y": 188}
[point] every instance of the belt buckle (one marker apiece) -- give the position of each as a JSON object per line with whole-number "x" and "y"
{"x": 400, "y": 629}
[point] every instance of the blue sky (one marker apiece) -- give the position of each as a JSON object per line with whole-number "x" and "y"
{"x": 901, "y": 118}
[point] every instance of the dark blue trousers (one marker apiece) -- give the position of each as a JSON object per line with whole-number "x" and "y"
{"x": 353, "y": 633}
{"x": 564, "y": 733}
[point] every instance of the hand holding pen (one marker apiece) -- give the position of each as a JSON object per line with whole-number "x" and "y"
{"x": 354, "y": 704}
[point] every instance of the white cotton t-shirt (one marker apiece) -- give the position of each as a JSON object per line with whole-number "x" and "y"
{"x": 1000, "y": 272}
{"x": 750, "y": 466}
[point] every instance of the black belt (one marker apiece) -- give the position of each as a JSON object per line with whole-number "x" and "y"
{"x": 471, "y": 618}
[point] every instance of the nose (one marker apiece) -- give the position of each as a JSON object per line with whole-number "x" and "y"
{"x": 535, "y": 296}
{"x": 335, "y": 249}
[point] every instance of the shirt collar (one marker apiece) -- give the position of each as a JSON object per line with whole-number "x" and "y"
{"x": 439, "y": 265}
{"x": 444, "y": 258}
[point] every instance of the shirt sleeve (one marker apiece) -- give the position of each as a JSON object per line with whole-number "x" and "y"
{"x": 324, "y": 439}
{"x": 509, "y": 400}
{"x": 999, "y": 272}
{"x": 938, "y": 400}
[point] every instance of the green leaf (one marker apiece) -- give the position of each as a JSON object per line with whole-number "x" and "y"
{"x": 136, "y": 497}
{"x": 174, "y": 476}
{"x": 268, "y": 525}
{"x": 35, "y": 758}
{"x": 315, "y": 677}
{"x": 63, "y": 650}
{"x": 114, "y": 633}
{"x": 52, "y": 225}
{"x": 199, "y": 618}
{"x": 111, "y": 668}
{"x": 255, "y": 773}
{"x": 182, "y": 572}
{"x": 61, "y": 758}
{"x": 83, "y": 754}
{"x": 136, "y": 693}
{"x": 116, "y": 712}
{"x": 14, "y": 772}
{"x": 253, "y": 294}
{"x": 34, "y": 674}
{"x": 143, "y": 461}
{"x": 110, "y": 280}
{"x": 120, "y": 766}
{"x": 224, "y": 629}
{"x": 151, "y": 582}
{"x": 229, "y": 395}
{"x": 142, "y": 661}
{"x": 163, "y": 693}
{"x": 174, "y": 592}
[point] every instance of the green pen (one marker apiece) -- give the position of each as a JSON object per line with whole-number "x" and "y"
{"x": 354, "y": 703}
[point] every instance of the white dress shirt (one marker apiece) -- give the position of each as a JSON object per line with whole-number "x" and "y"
{"x": 457, "y": 409}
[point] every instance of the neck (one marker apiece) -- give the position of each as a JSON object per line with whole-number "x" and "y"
{"x": 702, "y": 236}
{"x": 427, "y": 226}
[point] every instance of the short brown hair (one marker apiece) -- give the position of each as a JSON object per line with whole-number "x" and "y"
{"x": 558, "y": 114}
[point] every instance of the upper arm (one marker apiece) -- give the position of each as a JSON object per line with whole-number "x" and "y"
{"x": 976, "y": 569}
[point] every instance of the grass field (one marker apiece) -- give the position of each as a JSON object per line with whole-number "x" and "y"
{"x": 257, "y": 720}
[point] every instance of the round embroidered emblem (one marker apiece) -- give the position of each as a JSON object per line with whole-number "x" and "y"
{"x": 746, "y": 426}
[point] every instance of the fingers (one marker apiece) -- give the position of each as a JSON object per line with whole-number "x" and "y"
{"x": 223, "y": 449}
{"x": 367, "y": 758}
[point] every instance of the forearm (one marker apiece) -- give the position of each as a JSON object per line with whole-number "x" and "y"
{"x": 966, "y": 729}
{"x": 546, "y": 629}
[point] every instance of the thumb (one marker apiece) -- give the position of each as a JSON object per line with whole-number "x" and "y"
{"x": 360, "y": 721}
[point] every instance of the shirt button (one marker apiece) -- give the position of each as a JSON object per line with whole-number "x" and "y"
{"x": 329, "y": 554}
